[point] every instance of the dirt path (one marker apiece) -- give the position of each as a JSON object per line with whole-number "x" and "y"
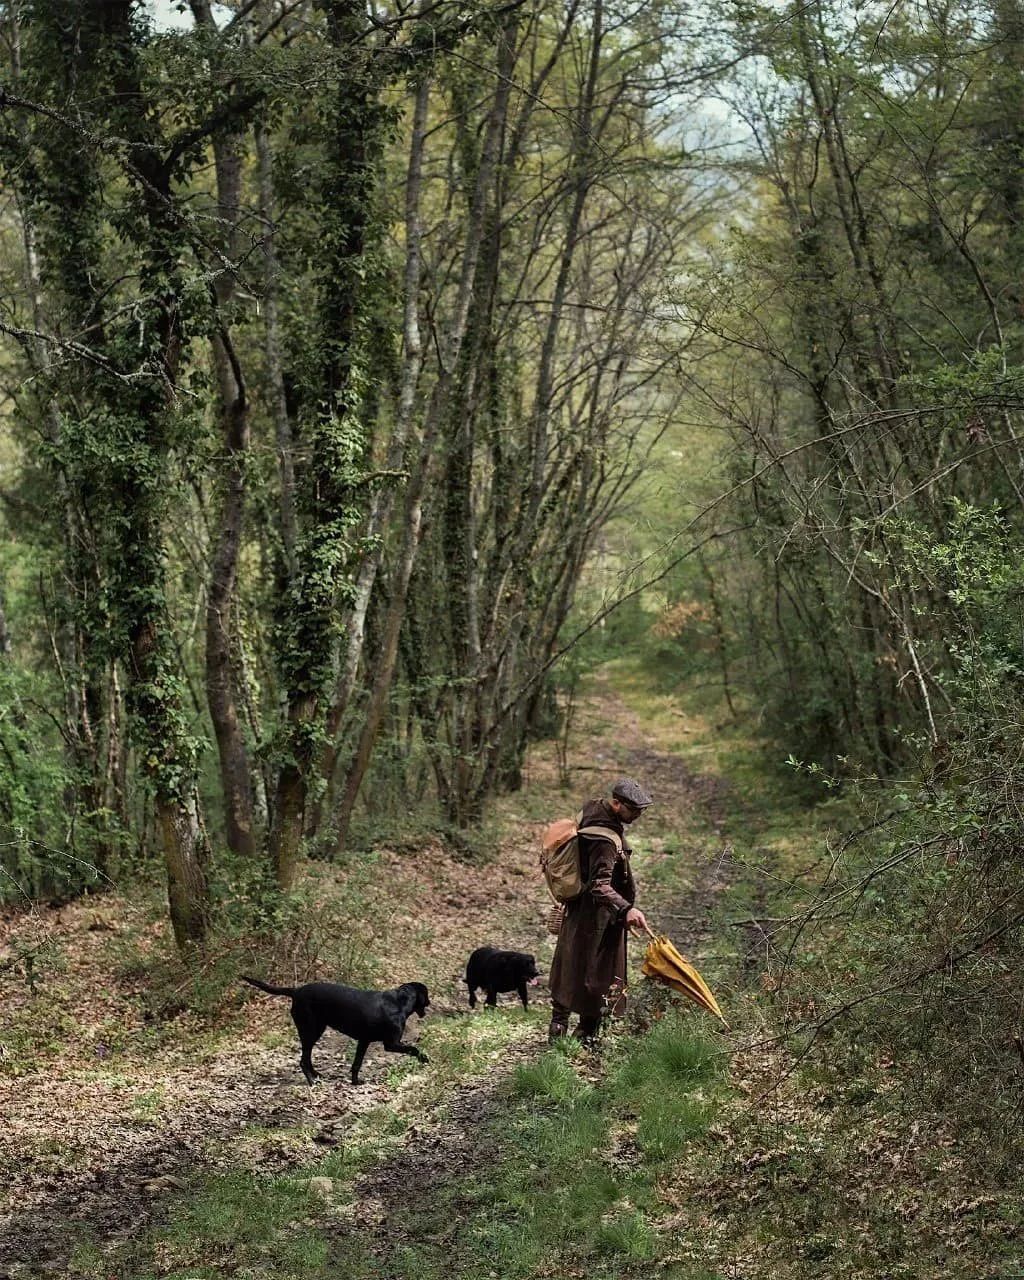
{"x": 435, "y": 1158}
{"x": 128, "y": 1166}
{"x": 97, "y": 1148}
{"x": 103, "y": 1151}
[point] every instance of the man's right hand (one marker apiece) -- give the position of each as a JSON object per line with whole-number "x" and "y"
{"x": 635, "y": 919}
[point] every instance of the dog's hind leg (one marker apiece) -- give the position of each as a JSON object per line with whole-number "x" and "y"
{"x": 399, "y": 1047}
{"x": 357, "y": 1061}
{"x": 310, "y": 1032}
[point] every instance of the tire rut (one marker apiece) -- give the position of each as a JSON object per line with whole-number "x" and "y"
{"x": 433, "y": 1160}
{"x": 122, "y": 1191}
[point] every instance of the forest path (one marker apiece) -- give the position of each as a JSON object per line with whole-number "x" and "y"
{"x": 100, "y": 1153}
{"x": 420, "y": 1181}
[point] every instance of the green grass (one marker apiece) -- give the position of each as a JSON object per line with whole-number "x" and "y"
{"x": 551, "y": 1078}
{"x": 667, "y": 1056}
{"x": 466, "y": 1046}
{"x": 241, "y": 1221}
{"x": 560, "y": 1195}
{"x": 627, "y": 1238}
{"x": 548, "y": 1188}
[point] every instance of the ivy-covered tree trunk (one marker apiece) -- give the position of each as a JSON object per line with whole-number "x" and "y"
{"x": 140, "y": 439}
{"x": 234, "y": 410}
{"x": 332, "y": 433}
{"x": 117, "y": 441}
{"x": 436, "y": 414}
{"x": 383, "y": 503}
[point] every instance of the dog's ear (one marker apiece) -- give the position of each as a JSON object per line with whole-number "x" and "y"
{"x": 419, "y": 992}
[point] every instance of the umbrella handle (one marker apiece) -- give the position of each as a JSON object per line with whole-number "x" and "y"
{"x": 649, "y": 931}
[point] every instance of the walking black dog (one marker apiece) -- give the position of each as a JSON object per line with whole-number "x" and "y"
{"x": 366, "y": 1016}
{"x": 497, "y": 971}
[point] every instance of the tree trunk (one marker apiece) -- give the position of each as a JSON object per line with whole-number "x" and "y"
{"x": 235, "y": 771}
{"x": 383, "y": 503}
{"x": 184, "y": 854}
{"x": 333, "y": 421}
{"x": 436, "y": 413}
{"x": 137, "y": 494}
{"x": 272, "y": 349}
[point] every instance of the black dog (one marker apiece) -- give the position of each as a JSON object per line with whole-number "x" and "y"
{"x": 496, "y": 971}
{"x": 366, "y": 1016}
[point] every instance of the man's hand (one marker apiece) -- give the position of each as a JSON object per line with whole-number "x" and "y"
{"x": 636, "y": 920}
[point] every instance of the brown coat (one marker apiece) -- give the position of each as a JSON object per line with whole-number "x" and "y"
{"x": 591, "y": 950}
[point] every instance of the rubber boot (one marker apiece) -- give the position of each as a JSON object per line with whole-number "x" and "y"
{"x": 588, "y": 1029}
{"x": 559, "y": 1023}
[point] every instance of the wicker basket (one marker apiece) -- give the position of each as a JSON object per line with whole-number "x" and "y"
{"x": 555, "y": 917}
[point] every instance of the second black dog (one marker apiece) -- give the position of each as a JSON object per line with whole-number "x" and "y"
{"x": 366, "y": 1016}
{"x": 496, "y": 971}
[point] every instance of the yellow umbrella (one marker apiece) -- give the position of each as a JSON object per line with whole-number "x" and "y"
{"x": 663, "y": 962}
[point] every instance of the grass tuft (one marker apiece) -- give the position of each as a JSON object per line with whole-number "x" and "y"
{"x": 628, "y": 1236}
{"x": 552, "y": 1077}
{"x": 671, "y": 1053}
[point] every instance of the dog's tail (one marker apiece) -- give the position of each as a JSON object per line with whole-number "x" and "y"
{"x": 265, "y": 986}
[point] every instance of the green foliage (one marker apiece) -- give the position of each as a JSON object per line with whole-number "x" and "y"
{"x": 872, "y": 414}
{"x": 44, "y": 850}
{"x": 289, "y": 938}
{"x": 180, "y": 451}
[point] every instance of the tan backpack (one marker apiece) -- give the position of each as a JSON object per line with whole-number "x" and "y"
{"x": 560, "y": 855}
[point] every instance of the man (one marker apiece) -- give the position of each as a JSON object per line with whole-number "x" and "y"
{"x": 590, "y": 956}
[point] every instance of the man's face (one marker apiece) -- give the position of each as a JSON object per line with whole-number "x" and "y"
{"x": 627, "y": 812}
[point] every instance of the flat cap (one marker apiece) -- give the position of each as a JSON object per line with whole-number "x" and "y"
{"x": 632, "y": 792}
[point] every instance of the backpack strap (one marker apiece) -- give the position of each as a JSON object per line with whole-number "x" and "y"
{"x": 603, "y": 833}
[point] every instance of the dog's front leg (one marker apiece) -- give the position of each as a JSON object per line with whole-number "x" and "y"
{"x": 522, "y": 994}
{"x": 399, "y": 1047}
{"x": 357, "y": 1061}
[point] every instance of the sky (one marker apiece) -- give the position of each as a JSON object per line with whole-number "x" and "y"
{"x": 175, "y": 15}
